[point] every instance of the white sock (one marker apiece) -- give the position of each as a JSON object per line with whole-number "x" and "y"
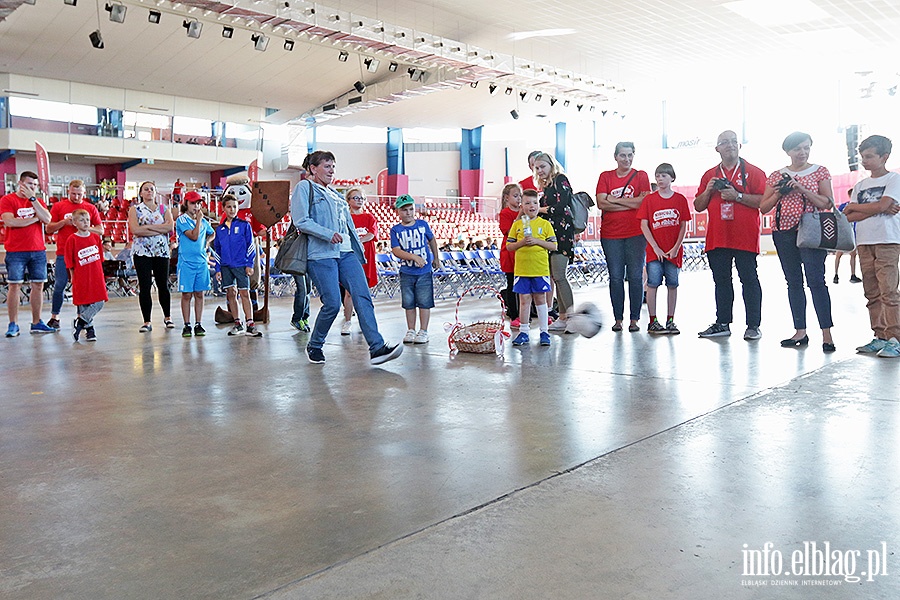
{"x": 542, "y": 312}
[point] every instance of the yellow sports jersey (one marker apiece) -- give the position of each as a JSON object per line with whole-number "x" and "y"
{"x": 532, "y": 261}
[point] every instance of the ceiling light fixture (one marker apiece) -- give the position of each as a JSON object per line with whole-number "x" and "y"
{"x": 509, "y": 91}
{"x": 116, "y": 12}
{"x": 514, "y": 114}
{"x": 580, "y": 106}
{"x": 96, "y": 40}
{"x": 474, "y": 84}
{"x": 289, "y": 45}
{"x": 360, "y": 87}
{"x": 393, "y": 67}
{"x": 70, "y": 2}
{"x": 193, "y": 27}
{"x": 553, "y": 101}
{"x": 343, "y": 56}
{"x": 154, "y": 16}
{"x": 260, "y": 42}
{"x": 227, "y": 32}
{"x": 523, "y": 96}
{"x": 372, "y": 64}
{"x": 492, "y": 88}
{"x": 537, "y": 97}
{"x": 566, "y": 103}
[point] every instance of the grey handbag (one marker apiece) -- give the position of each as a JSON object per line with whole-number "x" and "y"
{"x": 825, "y": 230}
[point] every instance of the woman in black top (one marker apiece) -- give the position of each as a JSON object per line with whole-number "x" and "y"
{"x": 556, "y": 206}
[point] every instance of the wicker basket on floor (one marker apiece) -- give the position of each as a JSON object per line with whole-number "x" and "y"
{"x": 481, "y": 337}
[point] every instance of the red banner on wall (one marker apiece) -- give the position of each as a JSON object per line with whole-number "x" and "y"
{"x": 253, "y": 172}
{"x": 43, "y": 168}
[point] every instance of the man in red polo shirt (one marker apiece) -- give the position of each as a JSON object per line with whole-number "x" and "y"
{"x": 25, "y": 217}
{"x": 731, "y": 191}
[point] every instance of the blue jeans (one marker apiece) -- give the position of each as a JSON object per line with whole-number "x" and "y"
{"x": 797, "y": 262}
{"x": 301, "y": 298}
{"x": 656, "y": 269}
{"x": 625, "y": 259}
{"x": 720, "y": 261}
{"x": 59, "y": 285}
{"x": 34, "y": 262}
{"x": 328, "y": 274}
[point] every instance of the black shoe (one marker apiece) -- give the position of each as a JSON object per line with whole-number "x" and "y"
{"x": 199, "y": 331}
{"x": 826, "y": 347}
{"x": 90, "y": 335}
{"x": 855, "y": 279}
{"x": 186, "y": 332}
{"x": 792, "y": 343}
{"x": 837, "y": 279}
{"x": 315, "y": 355}
{"x": 54, "y": 323}
{"x": 78, "y": 324}
{"x": 385, "y": 353}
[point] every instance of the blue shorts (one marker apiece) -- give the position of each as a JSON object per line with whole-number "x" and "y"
{"x": 657, "y": 268}
{"x": 417, "y": 291}
{"x": 193, "y": 279}
{"x": 531, "y": 285}
{"x": 235, "y": 277}
{"x": 33, "y": 261}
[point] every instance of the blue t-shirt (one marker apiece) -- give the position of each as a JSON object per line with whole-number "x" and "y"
{"x": 413, "y": 239}
{"x": 192, "y": 252}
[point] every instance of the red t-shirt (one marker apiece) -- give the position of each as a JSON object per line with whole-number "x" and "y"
{"x": 366, "y": 223}
{"x": 664, "y": 216}
{"x": 507, "y": 258}
{"x": 528, "y": 184}
{"x": 621, "y": 224}
{"x": 247, "y": 215}
{"x": 22, "y": 239}
{"x": 65, "y": 208}
{"x": 742, "y": 231}
{"x": 84, "y": 255}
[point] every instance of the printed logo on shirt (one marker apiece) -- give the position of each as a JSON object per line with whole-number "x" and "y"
{"x": 870, "y": 195}
{"x": 88, "y": 255}
{"x": 666, "y": 217}
{"x": 626, "y": 192}
{"x": 25, "y": 212}
{"x": 361, "y": 231}
{"x": 67, "y": 216}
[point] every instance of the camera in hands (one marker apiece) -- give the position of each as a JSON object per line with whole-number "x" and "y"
{"x": 784, "y": 186}
{"x": 720, "y": 183}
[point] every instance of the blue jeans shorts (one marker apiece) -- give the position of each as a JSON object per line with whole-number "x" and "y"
{"x": 34, "y": 262}
{"x": 657, "y": 268}
{"x": 417, "y": 291}
{"x": 531, "y": 285}
{"x": 235, "y": 277}
{"x": 193, "y": 279}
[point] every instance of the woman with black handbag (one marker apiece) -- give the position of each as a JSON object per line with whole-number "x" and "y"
{"x": 791, "y": 191}
{"x": 334, "y": 257}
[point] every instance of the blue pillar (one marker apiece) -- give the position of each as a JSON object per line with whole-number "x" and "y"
{"x": 470, "y": 149}
{"x": 310, "y": 140}
{"x": 397, "y": 182}
{"x": 4, "y": 112}
{"x": 561, "y": 144}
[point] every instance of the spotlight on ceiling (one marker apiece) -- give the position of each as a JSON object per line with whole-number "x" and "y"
{"x": 96, "y": 40}
{"x": 260, "y": 42}
{"x": 509, "y": 91}
{"x": 566, "y": 103}
{"x": 523, "y": 96}
{"x": 553, "y": 101}
{"x": 603, "y": 112}
{"x": 417, "y": 74}
{"x": 289, "y": 45}
{"x": 193, "y": 27}
{"x": 474, "y": 84}
{"x": 343, "y": 56}
{"x": 360, "y": 87}
{"x": 492, "y": 88}
{"x": 372, "y": 64}
{"x": 393, "y": 67}
{"x": 537, "y": 97}
{"x": 116, "y": 12}
{"x": 227, "y": 32}
{"x": 154, "y": 16}
{"x": 580, "y": 106}
{"x": 71, "y": 2}
{"x": 514, "y": 114}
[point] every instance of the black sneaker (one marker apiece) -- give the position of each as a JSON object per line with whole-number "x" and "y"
{"x": 656, "y": 328}
{"x": 199, "y": 331}
{"x": 186, "y": 332}
{"x": 315, "y": 355}
{"x": 716, "y": 330}
{"x": 90, "y": 335}
{"x": 385, "y": 353}
{"x": 252, "y": 331}
{"x": 78, "y": 324}
{"x": 54, "y": 323}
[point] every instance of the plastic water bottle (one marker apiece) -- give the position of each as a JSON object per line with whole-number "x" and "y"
{"x": 526, "y": 225}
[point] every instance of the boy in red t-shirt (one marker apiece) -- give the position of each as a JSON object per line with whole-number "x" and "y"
{"x": 84, "y": 261}
{"x": 664, "y": 216}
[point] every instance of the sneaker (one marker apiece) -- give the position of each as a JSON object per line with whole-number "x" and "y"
{"x": 656, "y": 328}
{"x": 170, "y": 324}
{"x": 54, "y": 323}
{"x": 78, "y": 324}
{"x": 557, "y": 325}
{"x": 522, "y": 339}
{"x": 89, "y": 334}
{"x": 410, "y": 337}
{"x": 752, "y": 333}
{"x": 671, "y": 328}
{"x": 385, "y": 353}
{"x": 422, "y": 337}
{"x": 836, "y": 279}
{"x": 145, "y": 328}
{"x": 716, "y": 330}
{"x": 237, "y": 329}
{"x": 13, "y": 330}
{"x": 315, "y": 355}
{"x": 41, "y": 327}
{"x": 187, "y": 331}
{"x": 301, "y": 325}
{"x": 515, "y": 323}
{"x": 345, "y": 327}
{"x": 199, "y": 331}
{"x": 545, "y": 338}
{"x": 252, "y": 331}
{"x": 891, "y": 349}
{"x": 855, "y": 279}
{"x": 873, "y": 347}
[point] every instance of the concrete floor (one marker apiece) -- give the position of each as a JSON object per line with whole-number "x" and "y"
{"x": 624, "y": 466}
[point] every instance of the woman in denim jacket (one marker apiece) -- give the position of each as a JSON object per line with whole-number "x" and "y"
{"x": 335, "y": 256}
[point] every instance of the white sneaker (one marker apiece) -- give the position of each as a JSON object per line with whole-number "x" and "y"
{"x": 410, "y": 337}
{"x": 557, "y": 325}
{"x": 421, "y": 337}
{"x": 345, "y": 328}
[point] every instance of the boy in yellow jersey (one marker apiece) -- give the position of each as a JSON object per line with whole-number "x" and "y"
{"x": 531, "y": 237}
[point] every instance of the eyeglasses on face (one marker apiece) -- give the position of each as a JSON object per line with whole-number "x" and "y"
{"x": 358, "y": 198}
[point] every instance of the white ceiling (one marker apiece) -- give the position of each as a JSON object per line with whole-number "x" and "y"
{"x": 636, "y": 45}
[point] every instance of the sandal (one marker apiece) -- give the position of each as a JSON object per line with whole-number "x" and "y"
{"x": 617, "y": 327}
{"x": 634, "y": 328}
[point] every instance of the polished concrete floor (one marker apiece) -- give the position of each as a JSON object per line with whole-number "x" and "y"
{"x": 623, "y": 466}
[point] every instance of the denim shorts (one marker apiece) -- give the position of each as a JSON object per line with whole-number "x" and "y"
{"x": 417, "y": 291}
{"x": 235, "y": 276}
{"x": 531, "y": 285}
{"x": 193, "y": 279}
{"x": 33, "y": 261}
{"x": 657, "y": 268}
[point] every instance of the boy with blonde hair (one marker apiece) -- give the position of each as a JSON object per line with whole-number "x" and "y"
{"x": 84, "y": 261}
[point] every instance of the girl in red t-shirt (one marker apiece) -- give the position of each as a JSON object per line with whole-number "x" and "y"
{"x": 510, "y": 203}
{"x": 367, "y": 229}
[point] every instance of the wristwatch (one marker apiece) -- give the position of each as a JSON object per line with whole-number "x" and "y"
{"x": 740, "y": 197}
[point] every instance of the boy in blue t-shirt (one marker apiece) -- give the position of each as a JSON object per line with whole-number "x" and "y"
{"x": 413, "y": 243}
{"x": 194, "y": 236}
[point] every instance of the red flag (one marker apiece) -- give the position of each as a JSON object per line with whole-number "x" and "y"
{"x": 253, "y": 172}
{"x": 43, "y": 168}
{"x": 381, "y": 179}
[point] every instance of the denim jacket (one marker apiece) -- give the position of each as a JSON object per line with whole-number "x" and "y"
{"x": 320, "y": 220}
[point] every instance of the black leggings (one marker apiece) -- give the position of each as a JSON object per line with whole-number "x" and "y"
{"x": 149, "y": 268}
{"x": 510, "y": 298}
